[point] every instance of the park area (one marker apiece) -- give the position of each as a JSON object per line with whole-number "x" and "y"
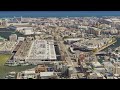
{"x": 4, "y": 70}
{"x": 4, "y": 58}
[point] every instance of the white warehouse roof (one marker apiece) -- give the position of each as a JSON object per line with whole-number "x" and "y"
{"x": 29, "y": 72}
{"x": 46, "y": 73}
{"x": 96, "y": 64}
{"x": 42, "y": 50}
{"x": 108, "y": 20}
{"x": 72, "y": 39}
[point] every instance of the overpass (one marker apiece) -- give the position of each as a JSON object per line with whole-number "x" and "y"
{"x": 102, "y": 48}
{"x": 101, "y": 53}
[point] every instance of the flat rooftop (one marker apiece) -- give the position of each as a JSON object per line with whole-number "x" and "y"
{"x": 23, "y": 50}
{"x": 46, "y": 74}
{"x": 8, "y": 46}
{"x": 96, "y": 64}
{"x": 108, "y": 64}
{"x": 18, "y": 46}
{"x": 42, "y": 50}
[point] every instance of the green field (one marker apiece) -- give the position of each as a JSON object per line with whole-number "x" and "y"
{"x": 4, "y": 70}
{"x": 3, "y": 59}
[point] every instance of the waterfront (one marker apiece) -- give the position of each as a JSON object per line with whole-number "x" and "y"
{"x": 5, "y": 33}
{"x": 113, "y": 46}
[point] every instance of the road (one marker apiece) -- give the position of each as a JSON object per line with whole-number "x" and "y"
{"x": 65, "y": 52}
{"x": 68, "y": 58}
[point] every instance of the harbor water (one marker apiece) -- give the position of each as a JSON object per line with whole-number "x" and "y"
{"x": 113, "y": 46}
{"x": 5, "y": 33}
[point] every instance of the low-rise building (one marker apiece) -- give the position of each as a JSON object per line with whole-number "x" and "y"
{"x": 21, "y": 39}
{"x": 95, "y": 75}
{"x": 13, "y": 37}
{"x": 48, "y": 75}
{"x": 81, "y": 76}
{"x": 28, "y": 74}
{"x": 74, "y": 76}
{"x": 28, "y": 31}
{"x": 93, "y": 30}
{"x": 7, "y": 47}
{"x": 96, "y": 64}
{"x": 40, "y": 68}
{"x": 23, "y": 51}
{"x": 109, "y": 66}
{"x": 70, "y": 40}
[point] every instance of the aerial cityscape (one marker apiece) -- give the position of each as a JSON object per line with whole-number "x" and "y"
{"x": 60, "y": 45}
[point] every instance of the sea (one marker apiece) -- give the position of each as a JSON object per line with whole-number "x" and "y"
{"x": 10, "y": 14}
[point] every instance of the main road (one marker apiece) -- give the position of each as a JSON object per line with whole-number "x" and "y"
{"x": 67, "y": 56}
{"x": 64, "y": 51}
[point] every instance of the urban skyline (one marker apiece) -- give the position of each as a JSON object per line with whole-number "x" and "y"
{"x": 60, "y": 47}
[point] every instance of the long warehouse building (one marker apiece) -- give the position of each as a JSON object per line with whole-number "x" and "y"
{"x": 41, "y": 51}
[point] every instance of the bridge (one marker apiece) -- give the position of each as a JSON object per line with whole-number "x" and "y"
{"x": 101, "y": 53}
{"x": 98, "y": 50}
